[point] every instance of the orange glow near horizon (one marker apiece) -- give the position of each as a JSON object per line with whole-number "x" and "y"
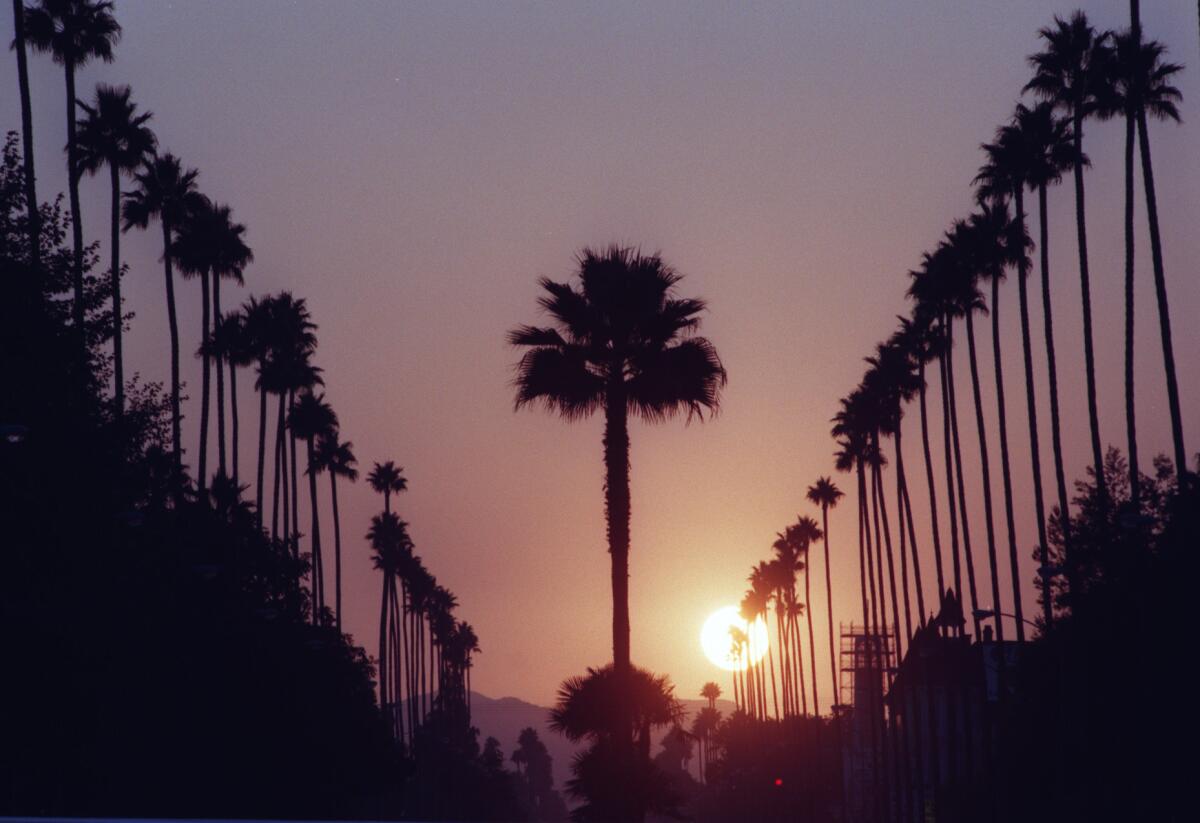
{"x": 717, "y": 642}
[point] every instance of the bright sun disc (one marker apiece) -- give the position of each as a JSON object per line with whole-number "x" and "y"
{"x": 718, "y": 644}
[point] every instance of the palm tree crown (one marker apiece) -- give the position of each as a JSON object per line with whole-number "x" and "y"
{"x": 73, "y": 31}
{"x": 113, "y": 133}
{"x": 622, "y": 331}
{"x": 165, "y": 190}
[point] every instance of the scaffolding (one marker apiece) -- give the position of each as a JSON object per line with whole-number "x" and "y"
{"x": 864, "y": 658}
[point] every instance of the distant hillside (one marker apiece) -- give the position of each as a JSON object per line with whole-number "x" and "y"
{"x": 504, "y": 718}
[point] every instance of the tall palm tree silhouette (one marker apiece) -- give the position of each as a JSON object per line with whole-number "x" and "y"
{"x": 312, "y": 418}
{"x": 114, "y": 134}
{"x": 387, "y": 479}
{"x": 825, "y": 493}
{"x": 238, "y": 350}
{"x": 73, "y": 32}
{"x": 1048, "y": 151}
{"x": 210, "y": 243}
{"x": 1071, "y": 72}
{"x": 32, "y": 209}
{"x": 389, "y": 540}
{"x": 933, "y": 300}
{"x": 806, "y": 533}
{"x": 1143, "y": 81}
{"x": 167, "y": 191}
{"x": 622, "y": 341}
{"x": 337, "y": 458}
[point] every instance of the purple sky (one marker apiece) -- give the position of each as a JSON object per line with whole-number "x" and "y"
{"x": 412, "y": 169}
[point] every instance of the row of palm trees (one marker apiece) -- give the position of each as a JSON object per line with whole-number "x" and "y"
{"x": 274, "y": 335}
{"x": 200, "y": 239}
{"x": 773, "y": 583}
{"x": 424, "y": 651}
{"x": 1080, "y": 75}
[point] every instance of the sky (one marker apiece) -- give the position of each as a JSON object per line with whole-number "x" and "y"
{"x": 412, "y": 169}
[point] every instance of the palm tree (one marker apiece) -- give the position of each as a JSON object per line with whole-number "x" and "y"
{"x": 1071, "y": 72}
{"x": 826, "y": 494}
{"x": 285, "y": 343}
{"x": 622, "y": 341}
{"x": 337, "y": 458}
{"x": 1000, "y": 242}
{"x": 167, "y": 191}
{"x": 806, "y": 533}
{"x": 711, "y": 692}
{"x": 1048, "y": 149}
{"x": 922, "y": 338}
{"x": 113, "y": 134}
{"x": 31, "y": 202}
{"x": 386, "y": 479}
{"x": 389, "y": 541}
{"x": 210, "y": 243}
{"x": 239, "y": 351}
{"x": 73, "y": 32}
{"x": 312, "y": 418}
{"x": 1143, "y": 81}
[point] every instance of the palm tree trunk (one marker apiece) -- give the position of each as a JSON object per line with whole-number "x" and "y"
{"x": 1031, "y": 408}
{"x": 617, "y": 512}
{"x": 115, "y": 274}
{"x": 220, "y": 367}
{"x": 985, "y": 474}
{"x": 205, "y": 382}
{"x": 337, "y": 552}
{"x": 262, "y": 449}
{"x": 904, "y": 507}
{"x": 785, "y": 665}
{"x": 968, "y": 556}
{"x": 899, "y": 742}
{"x": 1135, "y": 492}
{"x": 291, "y": 438}
{"x": 900, "y": 530}
{"x": 948, "y": 455}
{"x": 1160, "y": 291}
{"x": 771, "y": 663}
{"x": 1089, "y": 354}
{"x": 933, "y": 515}
{"x": 812, "y": 643}
{"x": 318, "y": 568}
{"x": 233, "y": 421}
{"x": 799, "y": 665}
{"x": 829, "y": 606}
{"x": 285, "y": 531}
{"x": 173, "y": 326}
{"x": 382, "y": 660}
{"x": 31, "y": 202}
{"x": 76, "y": 218}
{"x": 1052, "y": 372}
{"x": 882, "y": 516}
{"x": 1006, "y": 474}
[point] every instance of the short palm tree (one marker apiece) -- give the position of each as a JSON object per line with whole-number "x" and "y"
{"x": 1072, "y": 72}
{"x": 622, "y": 341}
{"x": 166, "y": 190}
{"x": 826, "y": 494}
{"x": 337, "y": 458}
{"x": 387, "y": 479}
{"x": 73, "y": 32}
{"x": 114, "y": 134}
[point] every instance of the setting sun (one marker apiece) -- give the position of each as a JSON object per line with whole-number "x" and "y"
{"x": 717, "y": 642}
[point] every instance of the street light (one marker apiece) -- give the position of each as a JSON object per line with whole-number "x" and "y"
{"x": 984, "y": 614}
